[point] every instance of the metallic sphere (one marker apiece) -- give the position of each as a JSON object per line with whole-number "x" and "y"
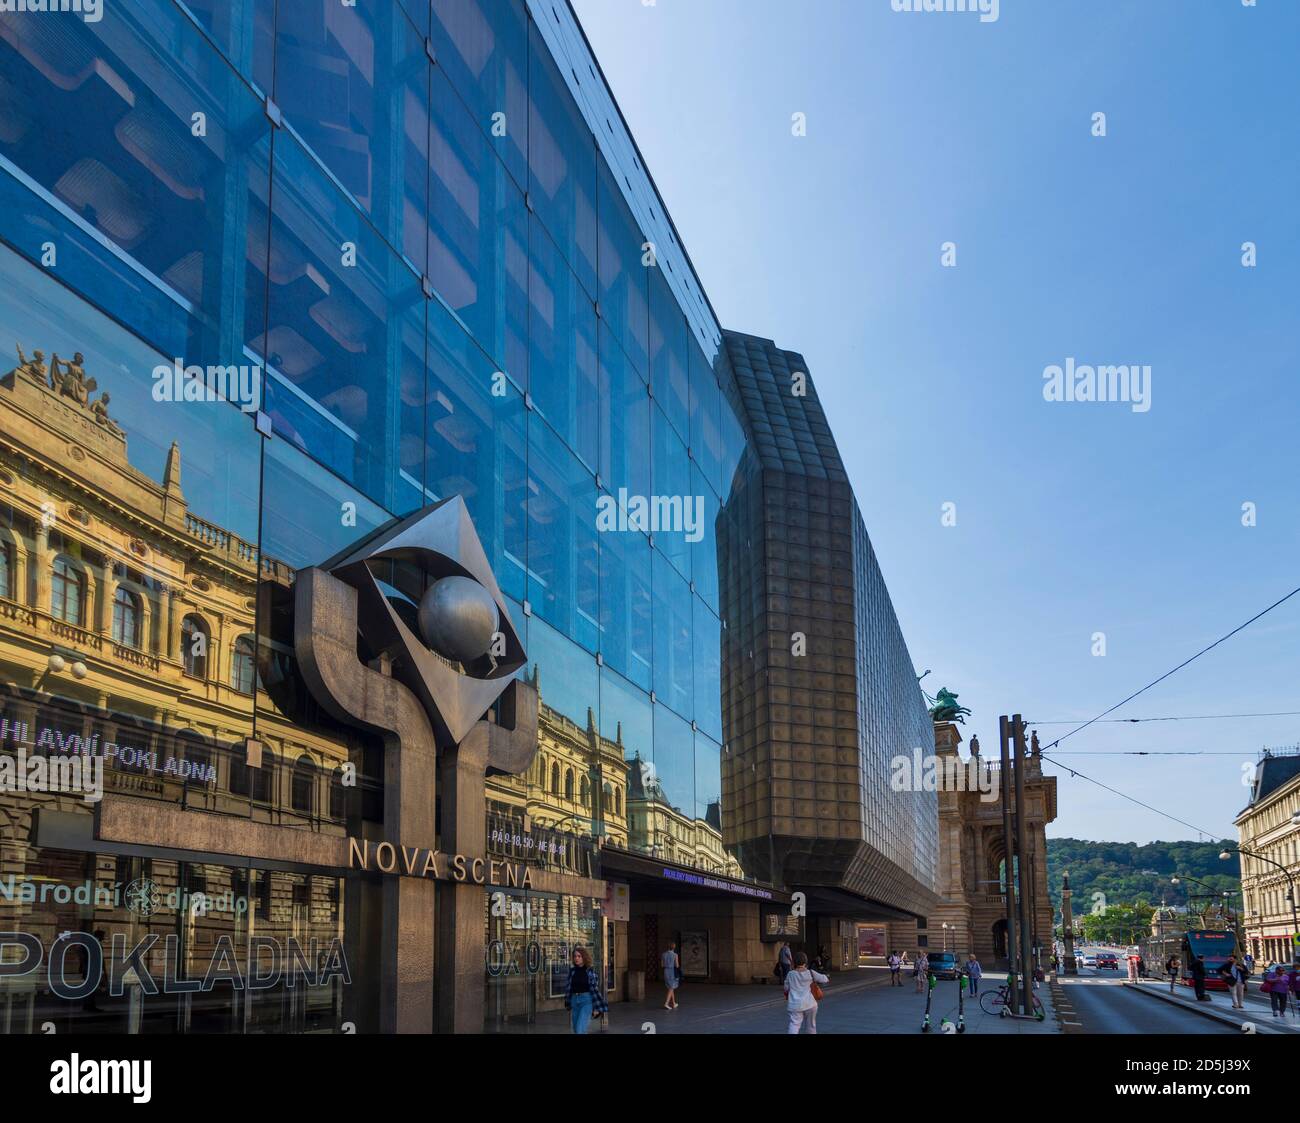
{"x": 458, "y": 618}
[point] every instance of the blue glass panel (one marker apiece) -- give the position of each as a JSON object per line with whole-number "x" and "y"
{"x": 568, "y": 676}
{"x": 475, "y": 433}
{"x": 623, "y": 283}
{"x": 707, "y": 671}
{"x": 563, "y": 554}
{"x": 218, "y": 447}
{"x": 624, "y": 421}
{"x": 244, "y": 30}
{"x": 676, "y": 515}
{"x": 708, "y": 783}
{"x": 674, "y": 764}
{"x": 704, "y": 553}
{"x": 672, "y": 637}
{"x": 344, "y": 338}
{"x": 706, "y": 417}
{"x": 668, "y": 363}
{"x": 626, "y": 637}
{"x": 353, "y": 81}
{"x": 302, "y": 521}
{"x": 561, "y": 164}
{"x": 733, "y": 438}
{"x": 478, "y": 234}
{"x": 562, "y": 347}
{"x": 482, "y": 45}
{"x": 98, "y": 159}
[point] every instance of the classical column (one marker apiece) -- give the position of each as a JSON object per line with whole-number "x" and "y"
{"x": 44, "y": 564}
{"x": 104, "y": 600}
{"x": 171, "y": 644}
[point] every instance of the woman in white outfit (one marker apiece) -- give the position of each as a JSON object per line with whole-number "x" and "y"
{"x": 799, "y": 1000}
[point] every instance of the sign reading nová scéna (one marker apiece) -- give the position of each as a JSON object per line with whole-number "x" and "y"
{"x": 420, "y": 861}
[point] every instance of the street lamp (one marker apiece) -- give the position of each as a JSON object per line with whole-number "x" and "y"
{"x": 1227, "y": 853}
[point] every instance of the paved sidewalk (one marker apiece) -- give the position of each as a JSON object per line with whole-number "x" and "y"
{"x": 856, "y": 1002}
{"x": 1257, "y": 1008}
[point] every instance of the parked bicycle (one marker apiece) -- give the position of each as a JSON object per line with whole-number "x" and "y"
{"x": 1000, "y": 1002}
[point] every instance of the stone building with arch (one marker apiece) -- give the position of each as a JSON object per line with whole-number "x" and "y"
{"x": 972, "y": 857}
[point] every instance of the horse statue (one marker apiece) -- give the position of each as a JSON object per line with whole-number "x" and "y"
{"x": 945, "y": 707}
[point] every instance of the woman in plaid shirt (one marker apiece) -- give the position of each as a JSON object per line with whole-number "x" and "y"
{"x": 582, "y": 997}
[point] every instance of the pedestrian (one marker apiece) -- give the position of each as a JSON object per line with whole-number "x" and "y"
{"x": 1248, "y": 961}
{"x": 895, "y": 969}
{"x": 1277, "y": 985}
{"x": 1234, "y": 974}
{"x": 672, "y": 975}
{"x": 582, "y": 997}
{"x": 785, "y": 960}
{"x": 1132, "y": 968}
{"x": 1172, "y": 964}
{"x": 802, "y": 992}
{"x": 921, "y": 971}
{"x": 974, "y": 972}
{"x": 1197, "y": 967}
{"x": 1142, "y": 967}
{"x": 1293, "y": 979}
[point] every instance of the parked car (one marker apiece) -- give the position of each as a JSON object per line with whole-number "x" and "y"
{"x": 1107, "y": 961}
{"x": 943, "y": 965}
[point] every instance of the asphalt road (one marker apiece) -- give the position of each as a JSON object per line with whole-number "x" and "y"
{"x": 1104, "y": 1005}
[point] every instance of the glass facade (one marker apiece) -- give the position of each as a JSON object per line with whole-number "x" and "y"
{"x": 277, "y": 272}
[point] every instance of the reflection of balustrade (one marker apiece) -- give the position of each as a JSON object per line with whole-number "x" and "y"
{"x": 235, "y": 549}
{"x": 19, "y": 613}
{"x": 75, "y": 635}
{"x": 137, "y": 658}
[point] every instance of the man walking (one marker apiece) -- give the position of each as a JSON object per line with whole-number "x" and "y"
{"x": 1234, "y": 974}
{"x": 785, "y": 960}
{"x": 1197, "y": 967}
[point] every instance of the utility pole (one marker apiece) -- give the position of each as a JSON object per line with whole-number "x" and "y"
{"x": 1004, "y": 737}
{"x": 1022, "y": 849}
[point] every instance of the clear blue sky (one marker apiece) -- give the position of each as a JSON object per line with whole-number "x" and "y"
{"x": 1072, "y": 518}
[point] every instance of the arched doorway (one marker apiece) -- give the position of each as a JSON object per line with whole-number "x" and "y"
{"x": 1000, "y": 938}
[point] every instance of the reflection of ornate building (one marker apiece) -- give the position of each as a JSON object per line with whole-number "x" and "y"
{"x": 972, "y": 852}
{"x": 671, "y": 835}
{"x": 125, "y": 616}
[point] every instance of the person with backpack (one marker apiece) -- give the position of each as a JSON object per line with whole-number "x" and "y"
{"x": 1172, "y": 967}
{"x": 803, "y": 991}
{"x": 895, "y": 970}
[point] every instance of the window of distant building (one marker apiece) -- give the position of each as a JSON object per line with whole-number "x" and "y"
{"x": 126, "y": 617}
{"x": 584, "y": 792}
{"x": 304, "y": 785}
{"x": 6, "y": 562}
{"x": 242, "y": 665}
{"x": 338, "y": 796}
{"x": 568, "y": 784}
{"x": 555, "y": 778}
{"x": 67, "y": 592}
{"x": 194, "y": 646}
